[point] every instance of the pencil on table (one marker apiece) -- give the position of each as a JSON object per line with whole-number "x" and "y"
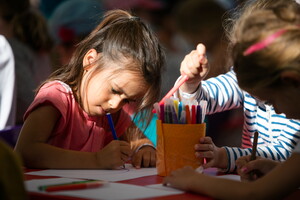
{"x": 76, "y": 185}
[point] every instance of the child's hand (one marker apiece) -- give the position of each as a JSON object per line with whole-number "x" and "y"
{"x": 195, "y": 66}
{"x": 215, "y": 156}
{"x": 181, "y": 178}
{"x": 144, "y": 157}
{"x": 260, "y": 167}
{"x": 114, "y": 155}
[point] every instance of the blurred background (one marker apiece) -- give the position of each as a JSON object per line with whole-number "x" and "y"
{"x": 44, "y": 33}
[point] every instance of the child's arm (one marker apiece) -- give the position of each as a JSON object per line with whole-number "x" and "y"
{"x": 280, "y": 182}
{"x": 195, "y": 66}
{"x": 36, "y": 153}
{"x": 188, "y": 179}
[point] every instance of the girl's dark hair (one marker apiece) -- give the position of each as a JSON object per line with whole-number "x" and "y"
{"x": 262, "y": 68}
{"x": 120, "y": 35}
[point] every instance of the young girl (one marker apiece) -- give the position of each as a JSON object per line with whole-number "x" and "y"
{"x": 117, "y": 70}
{"x": 278, "y": 134}
{"x": 266, "y": 60}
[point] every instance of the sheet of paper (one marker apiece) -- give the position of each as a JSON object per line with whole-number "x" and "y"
{"x": 165, "y": 188}
{"x": 230, "y": 176}
{"x": 108, "y": 175}
{"x": 110, "y": 191}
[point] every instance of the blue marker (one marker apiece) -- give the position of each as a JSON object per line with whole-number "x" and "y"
{"x": 112, "y": 127}
{"x": 179, "y": 109}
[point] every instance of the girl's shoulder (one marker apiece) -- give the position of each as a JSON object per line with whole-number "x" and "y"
{"x": 57, "y": 85}
{"x": 55, "y": 93}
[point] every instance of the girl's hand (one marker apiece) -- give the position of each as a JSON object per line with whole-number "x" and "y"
{"x": 181, "y": 178}
{"x": 215, "y": 156}
{"x": 114, "y": 155}
{"x": 144, "y": 157}
{"x": 195, "y": 66}
{"x": 252, "y": 170}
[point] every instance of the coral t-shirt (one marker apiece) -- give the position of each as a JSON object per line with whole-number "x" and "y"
{"x": 75, "y": 130}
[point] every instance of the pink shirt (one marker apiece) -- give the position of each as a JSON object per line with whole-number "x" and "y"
{"x": 75, "y": 130}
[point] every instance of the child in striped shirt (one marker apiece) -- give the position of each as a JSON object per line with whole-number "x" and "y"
{"x": 266, "y": 62}
{"x": 278, "y": 134}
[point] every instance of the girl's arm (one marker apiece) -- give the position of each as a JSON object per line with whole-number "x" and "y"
{"x": 221, "y": 93}
{"x": 279, "y": 149}
{"x": 36, "y": 153}
{"x": 279, "y": 183}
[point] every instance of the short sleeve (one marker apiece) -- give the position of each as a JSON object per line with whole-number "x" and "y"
{"x": 53, "y": 93}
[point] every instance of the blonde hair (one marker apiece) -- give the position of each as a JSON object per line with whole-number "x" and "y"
{"x": 258, "y": 21}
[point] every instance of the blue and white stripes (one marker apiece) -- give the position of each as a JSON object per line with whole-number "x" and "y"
{"x": 278, "y": 135}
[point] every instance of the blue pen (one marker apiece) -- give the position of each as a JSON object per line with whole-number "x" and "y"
{"x": 112, "y": 127}
{"x": 179, "y": 109}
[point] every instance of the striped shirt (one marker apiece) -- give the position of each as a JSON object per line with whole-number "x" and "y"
{"x": 278, "y": 135}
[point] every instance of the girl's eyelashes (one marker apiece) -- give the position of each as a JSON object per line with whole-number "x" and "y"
{"x": 124, "y": 100}
{"x": 114, "y": 91}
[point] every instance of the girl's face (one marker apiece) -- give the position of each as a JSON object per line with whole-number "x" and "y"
{"x": 107, "y": 91}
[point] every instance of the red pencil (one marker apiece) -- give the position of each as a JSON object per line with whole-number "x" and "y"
{"x": 72, "y": 186}
{"x": 193, "y": 114}
{"x": 174, "y": 89}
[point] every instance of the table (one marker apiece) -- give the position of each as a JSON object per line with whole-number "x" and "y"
{"x": 142, "y": 181}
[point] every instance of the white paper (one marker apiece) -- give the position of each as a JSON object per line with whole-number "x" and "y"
{"x": 165, "y": 188}
{"x": 110, "y": 191}
{"x": 108, "y": 175}
{"x": 230, "y": 176}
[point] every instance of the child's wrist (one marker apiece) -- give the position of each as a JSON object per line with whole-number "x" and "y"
{"x": 144, "y": 145}
{"x": 190, "y": 88}
{"x": 223, "y": 159}
{"x": 138, "y": 144}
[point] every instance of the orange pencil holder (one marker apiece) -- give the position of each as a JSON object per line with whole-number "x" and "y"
{"x": 175, "y": 146}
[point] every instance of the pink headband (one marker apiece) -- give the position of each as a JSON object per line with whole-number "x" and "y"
{"x": 262, "y": 44}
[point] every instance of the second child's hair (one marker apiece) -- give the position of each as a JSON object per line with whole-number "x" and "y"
{"x": 119, "y": 37}
{"x": 267, "y": 42}
{"x": 28, "y": 24}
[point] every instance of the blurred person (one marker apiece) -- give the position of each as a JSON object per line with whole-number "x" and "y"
{"x": 68, "y": 28}
{"x": 7, "y": 84}
{"x": 26, "y": 31}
